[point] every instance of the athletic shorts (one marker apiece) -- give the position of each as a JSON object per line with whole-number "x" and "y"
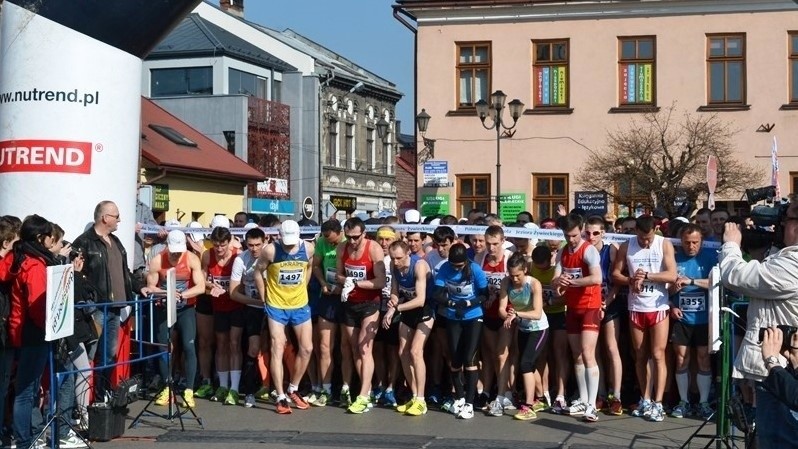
{"x": 356, "y": 312}
{"x": 581, "y": 320}
{"x": 250, "y": 319}
{"x": 223, "y": 321}
{"x": 289, "y": 317}
{"x": 556, "y": 321}
{"x": 618, "y": 308}
{"x": 204, "y": 305}
{"x": 647, "y": 320}
{"x": 492, "y": 324}
{"x": 330, "y": 308}
{"x": 412, "y": 318}
{"x": 388, "y": 336}
{"x": 691, "y": 335}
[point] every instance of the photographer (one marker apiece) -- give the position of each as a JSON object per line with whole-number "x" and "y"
{"x": 771, "y": 287}
{"x": 781, "y": 382}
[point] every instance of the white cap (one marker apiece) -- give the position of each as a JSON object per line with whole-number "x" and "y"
{"x": 531, "y": 225}
{"x": 289, "y": 232}
{"x": 220, "y": 221}
{"x": 250, "y": 225}
{"x": 412, "y": 216}
{"x": 173, "y": 223}
{"x": 176, "y": 241}
{"x": 435, "y": 222}
{"x": 682, "y": 219}
{"x": 196, "y": 236}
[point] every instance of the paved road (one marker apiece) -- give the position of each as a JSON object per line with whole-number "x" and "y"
{"x": 332, "y": 427}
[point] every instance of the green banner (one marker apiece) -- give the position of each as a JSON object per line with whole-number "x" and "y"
{"x": 436, "y": 204}
{"x": 511, "y": 205}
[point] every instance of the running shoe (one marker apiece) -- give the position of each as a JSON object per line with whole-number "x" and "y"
{"x": 525, "y": 414}
{"x": 591, "y": 414}
{"x": 616, "y": 407}
{"x": 577, "y": 408}
{"x": 163, "y": 397}
{"x": 361, "y": 405}
{"x": 704, "y": 410}
{"x": 205, "y": 390}
{"x": 188, "y": 398}
{"x": 601, "y": 403}
{"x": 299, "y": 401}
{"x": 643, "y": 408}
{"x": 345, "y": 399}
{"x": 448, "y": 405}
{"x": 249, "y": 401}
{"x": 466, "y": 412}
{"x": 406, "y": 406}
{"x": 560, "y": 407}
{"x": 507, "y": 402}
{"x": 458, "y": 405}
{"x": 435, "y": 397}
{"x": 539, "y": 406}
{"x": 283, "y": 408}
{"x": 481, "y": 401}
{"x": 220, "y": 395}
{"x": 231, "y": 398}
{"x": 375, "y": 395}
{"x": 263, "y": 394}
{"x": 321, "y": 399}
{"x": 71, "y": 441}
{"x": 681, "y": 410}
{"x": 418, "y": 408}
{"x": 311, "y": 398}
{"x": 389, "y": 398}
{"x": 495, "y": 408}
{"x": 657, "y": 413}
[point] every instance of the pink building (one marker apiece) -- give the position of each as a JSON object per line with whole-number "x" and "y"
{"x": 583, "y": 68}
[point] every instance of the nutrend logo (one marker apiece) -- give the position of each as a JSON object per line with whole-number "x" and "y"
{"x": 49, "y": 156}
{"x": 64, "y": 96}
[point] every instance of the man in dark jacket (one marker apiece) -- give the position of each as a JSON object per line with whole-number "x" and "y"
{"x": 782, "y": 381}
{"x": 106, "y": 268}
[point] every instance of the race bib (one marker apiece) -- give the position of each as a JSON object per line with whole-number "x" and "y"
{"x": 460, "y": 290}
{"x": 495, "y": 280}
{"x": 692, "y": 301}
{"x": 647, "y": 289}
{"x": 290, "y": 277}
{"x": 575, "y": 273}
{"x": 331, "y": 276}
{"x": 355, "y": 272}
{"x": 386, "y": 291}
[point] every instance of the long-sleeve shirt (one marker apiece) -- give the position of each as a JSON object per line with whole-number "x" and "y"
{"x": 783, "y": 383}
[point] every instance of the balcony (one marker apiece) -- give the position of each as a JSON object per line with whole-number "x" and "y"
{"x": 268, "y": 115}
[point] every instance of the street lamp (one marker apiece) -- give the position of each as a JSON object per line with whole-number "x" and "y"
{"x": 494, "y": 109}
{"x": 422, "y": 121}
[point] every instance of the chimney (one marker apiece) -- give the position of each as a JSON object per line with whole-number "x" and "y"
{"x": 234, "y": 7}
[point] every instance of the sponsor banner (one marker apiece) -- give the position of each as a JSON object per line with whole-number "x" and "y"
{"x": 70, "y": 109}
{"x": 435, "y": 204}
{"x": 512, "y": 204}
{"x": 273, "y": 187}
{"x": 59, "y": 319}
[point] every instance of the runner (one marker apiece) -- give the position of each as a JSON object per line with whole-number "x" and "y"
{"x": 409, "y": 300}
{"x": 650, "y": 262}
{"x": 462, "y": 287}
{"x": 521, "y": 306}
{"x": 217, "y": 264}
{"x": 361, "y": 272}
{"x": 689, "y": 295}
{"x": 285, "y": 271}
{"x": 577, "y": 276}
{"x": 386, "y": 343}
{"x": 329, "y": 312}
{"x": 246, "y": 321}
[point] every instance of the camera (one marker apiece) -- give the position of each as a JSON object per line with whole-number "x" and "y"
{"x": 788, "y": 332}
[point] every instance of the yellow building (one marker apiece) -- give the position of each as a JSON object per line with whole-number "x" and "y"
{"x": 193, "y": 178}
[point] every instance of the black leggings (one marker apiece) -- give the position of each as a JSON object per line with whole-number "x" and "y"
{"x": 463, "y": 341}
{"x": 530, "y": 345}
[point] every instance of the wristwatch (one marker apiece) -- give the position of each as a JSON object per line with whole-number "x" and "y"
{"x": 692, "y": 281}
{"x": 772, "y": 361}
{"x": 646, "y": 275}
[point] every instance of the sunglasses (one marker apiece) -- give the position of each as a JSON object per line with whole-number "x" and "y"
{"x": 594, "y": 233}
{"x": 355, "y": 236}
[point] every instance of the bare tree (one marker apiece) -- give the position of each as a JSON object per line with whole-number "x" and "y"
{"x": 660, "y": 160}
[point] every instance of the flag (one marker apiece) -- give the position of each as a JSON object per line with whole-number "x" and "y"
{"x": 774, "y": 168}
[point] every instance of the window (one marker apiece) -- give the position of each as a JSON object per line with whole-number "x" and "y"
{"x": 473, "y": 192}
{"x": 277, "y": 91}
{"x": 793, "y": 68}
{"x": 246, "y": 83}
{"x": 726, "y": 69}
{"x": 548, "y": 191}
{"x": 332, "y": 144}
{"x": 793, "y": 182}
{"x": 181, "y": 81}
{"x": 637, "y": 70}
{"x": 370, "y": 148}
{"x": 551, "y": 73}
{"x": 173, "y": 135}
{"x": 473, "y": 73}
{"x": 349, "y": 147}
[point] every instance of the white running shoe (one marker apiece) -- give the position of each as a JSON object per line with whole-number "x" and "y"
{"x": 467, "y": 412}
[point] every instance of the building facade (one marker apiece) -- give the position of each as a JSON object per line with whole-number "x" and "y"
{"x": 584, "y": 69}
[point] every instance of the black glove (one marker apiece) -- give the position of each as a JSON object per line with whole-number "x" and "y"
{"x": 459, "y": 308}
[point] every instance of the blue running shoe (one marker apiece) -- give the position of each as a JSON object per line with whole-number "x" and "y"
{"x": 389, "y": 398}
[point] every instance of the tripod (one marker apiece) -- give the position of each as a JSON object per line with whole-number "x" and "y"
{"x": 173, "y": 409}
{"x": 722, "y": 436}
{"x": 56, "y": 416}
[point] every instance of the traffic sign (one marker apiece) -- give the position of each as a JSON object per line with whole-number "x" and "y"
{"x": 307, "y": 208}
{"x": 328, "y": 208}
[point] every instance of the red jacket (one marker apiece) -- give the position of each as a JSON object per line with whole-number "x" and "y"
{"x": 5, "y": 267}
{"x": 28, "y": 293}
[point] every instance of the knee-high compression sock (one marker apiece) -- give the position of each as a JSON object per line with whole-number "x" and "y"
{"x": 581, "y": 382}
{"x": 683, "y": 383}
{"x": 592, "y": 378}
{"x": 471, "y": 378}
{"x": 458, "y": 381}
{"x": 704, "y": 381}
